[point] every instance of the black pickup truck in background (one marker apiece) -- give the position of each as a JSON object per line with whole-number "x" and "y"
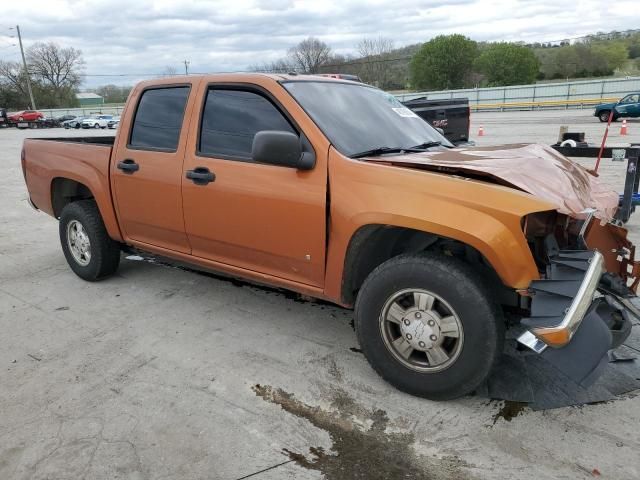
{"x": 451, "y": 115}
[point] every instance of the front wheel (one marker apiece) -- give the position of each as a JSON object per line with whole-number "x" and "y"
{"x": 96, "y": 126}
{"x": 428, "y": 326}
{"x": 89, "y": 250}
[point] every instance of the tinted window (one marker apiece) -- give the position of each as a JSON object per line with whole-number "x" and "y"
{"x": 231, "y": 118}
{"x": 159, "y": 118}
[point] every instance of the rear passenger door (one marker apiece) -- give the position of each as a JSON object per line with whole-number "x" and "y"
{"x": 146, "y": 168}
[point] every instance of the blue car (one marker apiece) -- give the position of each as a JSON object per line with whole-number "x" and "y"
{"x": 628, "y": 107}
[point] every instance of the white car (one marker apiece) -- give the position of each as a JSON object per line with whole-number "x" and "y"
{"x": 95, "y": 122}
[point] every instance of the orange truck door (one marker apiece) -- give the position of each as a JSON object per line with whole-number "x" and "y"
{"x": 147, "y": 166}
{"x": 263, "y": 218}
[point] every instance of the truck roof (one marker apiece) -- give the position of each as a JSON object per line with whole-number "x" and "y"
{"x": 242, "y": 77}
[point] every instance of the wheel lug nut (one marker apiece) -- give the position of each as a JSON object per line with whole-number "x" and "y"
{"x": 406, "y": 321}
{"x": 418, "y": 315}
{"x": 433, "y": 338}
{"x": 409, "y": 337}
{"x": 431, "y": 323}
{"x": 422, "y": 344}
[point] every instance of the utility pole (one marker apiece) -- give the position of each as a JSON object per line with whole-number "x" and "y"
{"x": 186, "y": 67}
{"x": 26, "y": 71}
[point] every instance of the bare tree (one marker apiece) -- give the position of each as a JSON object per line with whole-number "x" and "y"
{"x": 56, "y": 67}
{"x": 281, "y": 65}
{"x": 12, "y": 75}
{"x": 169, "y": 71}
{"x": 376, "y": 54}
{"x": 309, "y": 55}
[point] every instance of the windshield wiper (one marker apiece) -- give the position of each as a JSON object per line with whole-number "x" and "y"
{"x": 427, "y": 145}
{"x": 376, "y": 152}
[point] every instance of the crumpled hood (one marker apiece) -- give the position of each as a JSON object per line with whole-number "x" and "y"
{"x": 536, "y": 169}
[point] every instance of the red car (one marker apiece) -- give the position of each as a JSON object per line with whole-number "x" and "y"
{"x": 25, "y": 116}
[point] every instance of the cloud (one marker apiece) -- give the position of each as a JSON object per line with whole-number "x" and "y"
{"x": 144, "y": 36}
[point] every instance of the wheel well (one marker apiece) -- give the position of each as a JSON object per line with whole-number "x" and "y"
{"x": 373, "y": 245}
{"x": 65, "y": 191}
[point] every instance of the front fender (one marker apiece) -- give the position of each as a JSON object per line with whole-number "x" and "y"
{"x": 485, "y": 216}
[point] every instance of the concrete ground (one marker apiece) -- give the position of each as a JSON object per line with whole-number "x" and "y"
{"x": 163, "y": 373}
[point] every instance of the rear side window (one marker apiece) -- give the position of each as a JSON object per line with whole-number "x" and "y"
{"x": 158, "y": 119}
{"x": 230, "y": 120}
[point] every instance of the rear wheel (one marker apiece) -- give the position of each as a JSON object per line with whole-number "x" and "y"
{"x": 428, "y": 326}
{"x": 89, "y": 250}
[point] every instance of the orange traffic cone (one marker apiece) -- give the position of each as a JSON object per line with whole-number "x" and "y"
{"x": 623, "y": 128}
{"x": 481, "y": 131}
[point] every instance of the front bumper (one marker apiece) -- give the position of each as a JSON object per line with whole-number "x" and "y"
{"x": 565, "y": 316}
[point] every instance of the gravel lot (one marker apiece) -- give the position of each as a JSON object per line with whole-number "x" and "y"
{"x": 164, "y": 373}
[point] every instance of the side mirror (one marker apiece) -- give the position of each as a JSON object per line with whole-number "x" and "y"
{"x": 277, "y": 147}
{"x": 439, "y": 130}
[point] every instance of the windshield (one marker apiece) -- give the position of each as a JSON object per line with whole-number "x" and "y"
{"x": 357, "y": 118}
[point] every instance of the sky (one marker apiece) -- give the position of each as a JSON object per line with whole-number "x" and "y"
{"x": 142, "y": 37}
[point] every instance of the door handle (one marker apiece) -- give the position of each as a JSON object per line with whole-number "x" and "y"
{"x": 201, "y": 176}
{"x": 128, "y": 166}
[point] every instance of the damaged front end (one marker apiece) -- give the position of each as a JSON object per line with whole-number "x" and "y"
{"x": 582, "y": 305}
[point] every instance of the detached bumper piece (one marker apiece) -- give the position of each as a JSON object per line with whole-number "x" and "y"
{"x": 568, "y": 327}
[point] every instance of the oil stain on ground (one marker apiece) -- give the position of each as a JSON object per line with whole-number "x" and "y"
{"x": 357, "y": 453}
{"x": 509, "y": 410}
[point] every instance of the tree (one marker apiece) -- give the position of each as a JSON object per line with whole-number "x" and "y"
{"x": 633, "y": 45}
{"x": 507, "y": 64}
{"x": 13, "y": 80}
{"x": 281, "y": 65}
{"x": 309, "y": 55}
{"x": 444, "y": 62}
{"x": 113, "y": 93}
{"x": 169, "y": 71}
{"x": 376, "y": 54}
{"x": 57, "y": 70}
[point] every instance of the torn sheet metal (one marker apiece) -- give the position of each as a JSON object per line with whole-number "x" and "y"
{"x": 536, "y": 169}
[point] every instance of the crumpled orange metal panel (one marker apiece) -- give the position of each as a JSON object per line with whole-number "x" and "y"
{"x": 619, "y": 253}
{"x": 536, "y": 169}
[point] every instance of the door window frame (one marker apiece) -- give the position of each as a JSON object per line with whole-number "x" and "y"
{"x": 135, "y": 114}
{"x": 258, "y": 90}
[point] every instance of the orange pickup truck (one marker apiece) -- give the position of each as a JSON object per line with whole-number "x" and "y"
{"x": 335, "y": 190}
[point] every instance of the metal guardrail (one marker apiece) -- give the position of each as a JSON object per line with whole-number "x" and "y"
{"x": 577, "y": 103}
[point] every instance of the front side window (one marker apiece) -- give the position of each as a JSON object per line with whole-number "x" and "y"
{"x": 230, "y": 120}
{"x": 630, "y": 99}
{"x": 158, "y": 119}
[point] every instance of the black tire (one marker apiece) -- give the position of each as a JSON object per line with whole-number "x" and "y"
{"x": 104, "y": 252}
{"x": 97, "y": 125}
{"x": 604, "y": 116}
{"x": 481, "y": 321}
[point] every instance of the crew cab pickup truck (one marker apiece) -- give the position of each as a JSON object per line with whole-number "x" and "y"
{"x": 627, "y": 107}
{"x": 335, "y": 190}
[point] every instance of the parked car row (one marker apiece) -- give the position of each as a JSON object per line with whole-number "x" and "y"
{"x": 35, "y": 119}
{"x": 95, "y": 121}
